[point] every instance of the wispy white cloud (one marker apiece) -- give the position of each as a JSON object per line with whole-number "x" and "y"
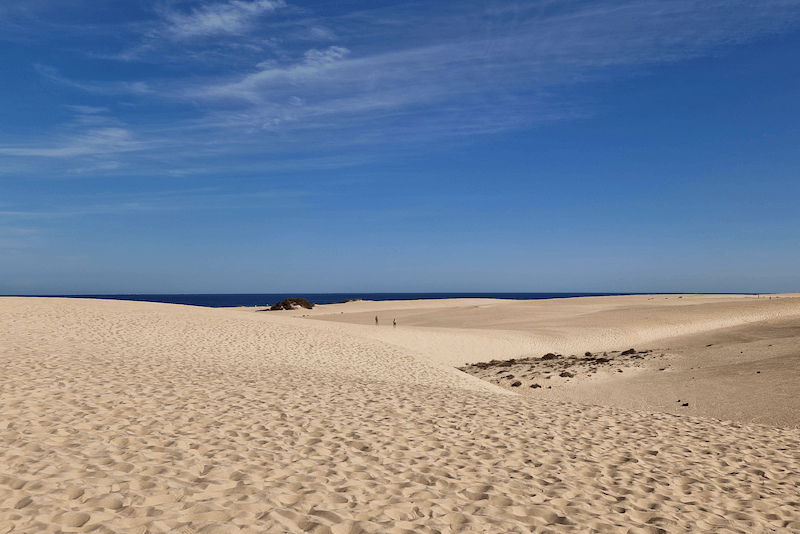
{"x": 485, "y": 79}
{"x": 395, "y": 74}
{"x": 13, "y": 231}
{"x": 18, "y": 238}
{"x": 232, "y": 17}
{"x": 315, "y": 67}
{"x": 136, "y": 88}
{"x": 92, "y": 142}
{"x": 9, "y": 244}
{"x": 88, "y": 110}
{"x": 320, "y": 33}
{"x": 204, "y": 199}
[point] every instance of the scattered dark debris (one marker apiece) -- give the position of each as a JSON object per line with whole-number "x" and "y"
{"x": 556, "y": 365}
{"x": 493, "y": 363}
{"x": 685, "y": 404}
{"x": 758, "y": 372}
{"x": 709, "y": 344}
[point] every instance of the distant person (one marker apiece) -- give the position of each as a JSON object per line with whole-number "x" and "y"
{"x": 376, "y": 320}
{"x": 394, "y": 323}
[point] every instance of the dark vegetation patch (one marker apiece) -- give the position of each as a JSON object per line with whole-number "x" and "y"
{"x": 292, "y": 304}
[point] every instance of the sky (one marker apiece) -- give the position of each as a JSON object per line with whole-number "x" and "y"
{"x": 265, "y": 146}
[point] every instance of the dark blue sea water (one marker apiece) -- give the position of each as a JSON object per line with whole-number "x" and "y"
{"x": 267, "y": 299}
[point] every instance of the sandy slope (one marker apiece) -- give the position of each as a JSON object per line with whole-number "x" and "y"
{"x": 730, "y": 357}
{"x": 137, "y": 417}
{"x": 459, "y": 331}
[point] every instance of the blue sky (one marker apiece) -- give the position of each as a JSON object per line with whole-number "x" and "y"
{"x": 160, "y": 146}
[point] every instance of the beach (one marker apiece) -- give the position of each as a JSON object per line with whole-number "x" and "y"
{"x": 142, "y": 418}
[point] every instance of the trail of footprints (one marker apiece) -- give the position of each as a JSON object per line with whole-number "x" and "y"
{"x": 191, "y": 440}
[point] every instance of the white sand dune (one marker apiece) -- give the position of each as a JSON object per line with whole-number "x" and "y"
{"x": 730, "y": 357}
{"x": 458, "y": 331}
{"x": 147, "y": 418}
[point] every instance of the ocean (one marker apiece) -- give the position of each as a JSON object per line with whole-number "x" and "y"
{"x": 268, "y": 299}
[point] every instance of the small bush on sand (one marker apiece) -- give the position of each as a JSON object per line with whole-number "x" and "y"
{"x": 292, "y": 304}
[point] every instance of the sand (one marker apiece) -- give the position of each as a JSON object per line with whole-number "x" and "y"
{"x": 140, "y": 417}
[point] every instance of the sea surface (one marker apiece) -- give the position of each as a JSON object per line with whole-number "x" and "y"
{"x": 268, "y": 299}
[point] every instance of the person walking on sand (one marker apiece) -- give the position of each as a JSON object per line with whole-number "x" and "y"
{"x": 376, "y": 320}
{"x": 394, "y": 323}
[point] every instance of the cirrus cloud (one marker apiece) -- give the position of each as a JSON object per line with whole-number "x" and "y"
{"x": 233, "y": 17}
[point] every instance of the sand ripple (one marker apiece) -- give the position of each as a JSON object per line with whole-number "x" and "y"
{"x": 121, "y": 417}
